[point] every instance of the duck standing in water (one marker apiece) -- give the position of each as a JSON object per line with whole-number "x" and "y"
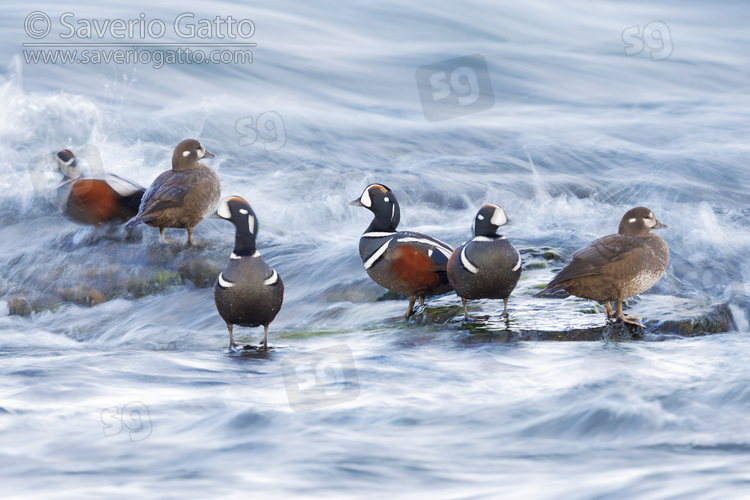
{"x": 182, "y": 196}
{"x": 617, "y": 266}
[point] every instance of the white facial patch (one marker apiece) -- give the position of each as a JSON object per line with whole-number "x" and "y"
{"x": 66, "y": 163}
{"x": 201, "y": 152}
{"x": 186, "y": 153}
{"x": 386, "y": 199}
{"x": 224, "y": 211}
{"x": 243, "y": 211}
{"x": 498, "y": 217}
{"x": 224, "y": 283}
{"x": 480, "y": 217}
{"x": 651, "y": 222}
{"x": 631, "y": 220}
{"x": 365, "y": 198}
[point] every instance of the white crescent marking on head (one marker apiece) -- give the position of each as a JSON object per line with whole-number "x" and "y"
{"x": 224, "y": 211}
{"x": 66, "y": 163}
{"x": 377, "y": 254}
{"x": 498, "y": 217}
{"x": 465, "y": 262}
{"x": 251, "y": 223}
{"x": 365, "y": 198}
{"x": 273, "y": 279}
{"x": 393, "y": 211}
{"x": 224, "y": 283}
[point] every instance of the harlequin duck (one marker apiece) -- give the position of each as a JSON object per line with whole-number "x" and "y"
{"x": 182, "y": 196}
{"x": 409, "y": 263}
{"x": 617, "y": 266}
{"x": 94, "y": 201}
{"x": 487, "y": 267}
{"x": 247, "y": 292}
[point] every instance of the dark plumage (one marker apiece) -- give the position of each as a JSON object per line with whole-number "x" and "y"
{"x": 487, "y": 267}
{"x": 182, "y": 196}
{"x": 247, "y": 292}
{"x": 617, "y": 266}
{"x": 405, "y": 262}
{"x": 95, "y": 201}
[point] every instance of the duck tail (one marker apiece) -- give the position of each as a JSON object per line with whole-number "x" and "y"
{"x": 552, "y": 290}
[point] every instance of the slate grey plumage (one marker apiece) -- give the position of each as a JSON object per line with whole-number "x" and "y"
{"x": 409, "y": 263}
{"x": 248, "y": 292}
{"x": 487, "y": 266}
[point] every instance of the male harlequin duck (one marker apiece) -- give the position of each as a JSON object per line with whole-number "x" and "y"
{"x": 409, "y": 263}
{"x": 487, "y": 267}
{"x": 94, "y": 201}
{"x": 247, "y": 292}
{"x": 617, "y": 266}
{"x": 182, "y": 196}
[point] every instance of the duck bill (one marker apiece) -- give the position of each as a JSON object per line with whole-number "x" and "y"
{"x": 213, "y": 215}
{"x": 659, "y": 225}
{"x": 355, "y": 203}
{"x": 209, "y": 155}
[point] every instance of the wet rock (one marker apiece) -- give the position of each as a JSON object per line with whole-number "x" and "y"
{"x": 90, "y": 267}
{"x": 82, "y": 295}
{"x": 200, "y": 271}
{"x": 19, "y": 306}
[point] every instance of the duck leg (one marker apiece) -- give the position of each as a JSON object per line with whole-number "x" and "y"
{"x": 410, "y": 310}
{"x": 265, "y": 337}
{"x": 610, "y": 312}
{"x": 161, "y": 233}
{"x": 231, "y": 339}
{"x": 190, "y": 236}
{"x": 505, "y": 307}
{"x": 466, "y": 312}
{"x": 633, "y": 320}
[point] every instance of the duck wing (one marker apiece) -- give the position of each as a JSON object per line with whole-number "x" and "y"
{"x": 593, "y": 258}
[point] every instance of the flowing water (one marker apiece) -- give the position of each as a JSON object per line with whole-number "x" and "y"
{"x": 139, "y": 396}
